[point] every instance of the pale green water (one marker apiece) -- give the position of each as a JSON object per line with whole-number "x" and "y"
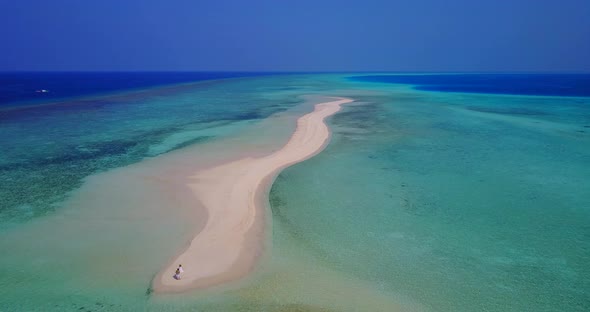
{"x": 422, "y": 201}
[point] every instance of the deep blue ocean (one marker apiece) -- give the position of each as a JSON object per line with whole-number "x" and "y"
{"x": 523, "y": 84}
{"x": 25, "y": 87}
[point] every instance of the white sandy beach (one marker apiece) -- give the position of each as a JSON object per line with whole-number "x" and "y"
{"x": 235, "y": 196}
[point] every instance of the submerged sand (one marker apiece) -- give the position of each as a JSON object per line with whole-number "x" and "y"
{"x": 235, "y": 196}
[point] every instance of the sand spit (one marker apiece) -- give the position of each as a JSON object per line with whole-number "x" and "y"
{"x": 235, "y": 196}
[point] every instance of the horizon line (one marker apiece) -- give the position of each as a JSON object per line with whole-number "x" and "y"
{"x": 296, "y": 72}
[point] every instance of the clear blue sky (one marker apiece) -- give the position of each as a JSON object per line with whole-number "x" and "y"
{"x": 296, "y": 35}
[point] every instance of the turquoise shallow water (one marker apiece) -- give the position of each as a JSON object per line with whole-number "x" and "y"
{"x": 462, "y": 202}
{"x": 90, "y": 135}
{"x": 430, "y": 200}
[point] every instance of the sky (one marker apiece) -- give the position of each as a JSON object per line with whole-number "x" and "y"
{"x": 302, "y": 35}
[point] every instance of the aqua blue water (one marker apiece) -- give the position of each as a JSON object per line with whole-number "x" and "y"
{"x": 463, "y": 202}
{"x": 451, "y": 201}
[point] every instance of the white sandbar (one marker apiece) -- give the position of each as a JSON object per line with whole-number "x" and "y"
{"x": 235, "y": 196}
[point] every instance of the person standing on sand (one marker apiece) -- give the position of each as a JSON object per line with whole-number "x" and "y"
{"x": 179, "y": 270}
{"x": 177, "y": 274}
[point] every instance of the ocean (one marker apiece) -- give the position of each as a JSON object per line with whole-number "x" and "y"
{"x": 438, "y": 192}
